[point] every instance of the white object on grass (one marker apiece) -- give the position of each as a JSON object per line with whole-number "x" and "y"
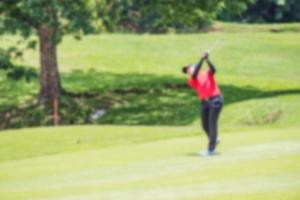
{"x": 97, "y": 114}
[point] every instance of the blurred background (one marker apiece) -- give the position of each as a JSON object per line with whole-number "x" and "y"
{"x": 108, "y": 74}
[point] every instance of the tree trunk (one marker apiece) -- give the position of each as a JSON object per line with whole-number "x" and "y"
{"x": 50, "y": 86}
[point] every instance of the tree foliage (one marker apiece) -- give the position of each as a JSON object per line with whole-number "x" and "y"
{"x": 268, "y": 11}
{"x": 50, "y": 20}
{"x": 159, "y": 16}
{"x": 26, "y": 16}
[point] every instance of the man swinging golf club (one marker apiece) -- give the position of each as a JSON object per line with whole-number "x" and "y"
{"x": 205, "y": 85}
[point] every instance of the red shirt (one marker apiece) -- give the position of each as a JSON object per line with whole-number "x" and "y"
{"x": 205, "y": 85}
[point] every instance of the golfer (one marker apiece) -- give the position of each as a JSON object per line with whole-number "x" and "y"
{"x": 205, "y": 85}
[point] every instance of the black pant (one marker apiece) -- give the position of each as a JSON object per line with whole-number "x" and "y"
{"x": 210, "y": 111}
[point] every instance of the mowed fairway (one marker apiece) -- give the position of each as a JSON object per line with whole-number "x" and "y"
{"x": 251, "y": 165}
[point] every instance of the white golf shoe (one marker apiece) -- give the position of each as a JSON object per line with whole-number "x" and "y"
{"x": 207, "y": 153}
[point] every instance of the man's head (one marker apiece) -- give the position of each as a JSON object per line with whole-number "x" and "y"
{"x": 185, "y": 69}
{"x": 189, "y": 69}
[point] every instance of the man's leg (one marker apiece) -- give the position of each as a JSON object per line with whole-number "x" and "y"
{"x": 204, "y": 111}
{"x": 214, "y": 112}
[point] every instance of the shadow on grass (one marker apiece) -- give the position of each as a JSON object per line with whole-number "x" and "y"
{"x": 128, "y": 99}
{"x": 147, "y": 99}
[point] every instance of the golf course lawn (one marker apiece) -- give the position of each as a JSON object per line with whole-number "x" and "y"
{"x": 146, "y": 144}
{"x": 253, "y": 164}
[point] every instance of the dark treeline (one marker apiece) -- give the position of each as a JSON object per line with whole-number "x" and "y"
{"x": 156, "y": 16}
{"x": 191, "y": 15}
{"x": 266, "y": 11}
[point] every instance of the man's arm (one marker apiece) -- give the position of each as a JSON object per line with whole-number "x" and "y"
{"x": 197, "y": 69}
{"x": 211, "y": 66}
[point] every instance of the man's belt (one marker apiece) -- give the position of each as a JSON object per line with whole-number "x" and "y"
{"x": 210, "y": 98}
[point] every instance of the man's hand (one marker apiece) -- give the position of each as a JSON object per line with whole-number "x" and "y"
{"x": 205, "y": 55}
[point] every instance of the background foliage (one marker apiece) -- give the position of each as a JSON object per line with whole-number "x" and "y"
{"x": 266, "y": 11}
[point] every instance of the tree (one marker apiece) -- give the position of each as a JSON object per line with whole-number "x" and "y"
{"x": 159, "y": 16}
{"x": 50, "y": 20}
{"x": 273, "y": 11}
{"x": 268, "y": 11}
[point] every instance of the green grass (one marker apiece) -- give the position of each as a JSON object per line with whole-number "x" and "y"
{"x": 138, "y": 78}
{"x": 44, "y": 141}
{"x": 254, "y": 28}
{"x": 251, "y": 66}
{"x": 252, "y": 165}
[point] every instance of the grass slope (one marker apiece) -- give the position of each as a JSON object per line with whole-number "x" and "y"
{"x": 253, "y": 164}
{"x": 257, "y": 71}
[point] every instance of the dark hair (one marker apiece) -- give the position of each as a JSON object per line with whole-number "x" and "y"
{"x": 185, "y": 69}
